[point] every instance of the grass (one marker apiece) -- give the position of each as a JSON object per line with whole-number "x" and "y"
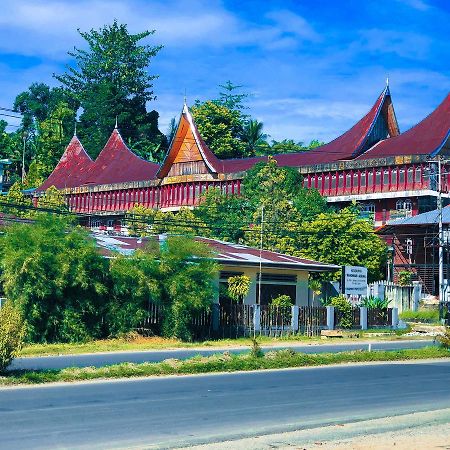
{"x": 224, "y": 362}
{"x": 425, "y": 316}
{"x": 159, "y": 343}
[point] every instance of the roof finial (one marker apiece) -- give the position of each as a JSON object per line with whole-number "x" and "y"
{"x": 115, "y": 127}
{"x": 75, "y": 129}
{"x": 387, "y": 81}
{"x": 185, "y": 97}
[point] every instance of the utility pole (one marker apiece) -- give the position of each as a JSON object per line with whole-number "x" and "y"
{"x": 24, "y": 137}
{"x": 441, "y": 233}
{"x": 260, "y": 253}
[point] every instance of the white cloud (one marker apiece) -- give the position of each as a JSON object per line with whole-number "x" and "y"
{"x": 291, "y": 23}
{"x": 420, "y": 5}
{"x": 402, "y": 43}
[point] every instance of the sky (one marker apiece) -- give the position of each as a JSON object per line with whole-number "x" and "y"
{"x": 313, "y": 68}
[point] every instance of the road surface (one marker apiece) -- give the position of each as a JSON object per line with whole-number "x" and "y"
{"x": 106, "y": 359}
{"x": 176, "y": 411}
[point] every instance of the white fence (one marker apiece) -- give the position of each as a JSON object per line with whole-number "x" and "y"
{"x": 401, "y": 297}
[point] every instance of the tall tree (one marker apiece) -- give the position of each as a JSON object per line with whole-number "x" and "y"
{"x": 231, "y": 98}
{"x": 254, "y": 138}
{"x": 56, "y": 277}
{"x": 110, "y": 80}
{"x": 221, "y": 128}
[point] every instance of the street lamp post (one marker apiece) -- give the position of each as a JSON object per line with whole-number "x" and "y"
{"x": 24, "y": 138}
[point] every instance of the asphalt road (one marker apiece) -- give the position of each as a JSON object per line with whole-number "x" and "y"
{"x": 176, "y": 411}
{"x": 105, "y": 359}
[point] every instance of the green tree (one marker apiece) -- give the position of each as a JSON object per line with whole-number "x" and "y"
{"x": 57, "y": 279}
{"x": 179, "y": 277}
{"x": 221, "y": 128}
{"x": 111, "y": 79}
{"x": 12, "y": 332}
{"x": 254, "y": 138}
{"x": 239, "y": 287}
{"x": 342, "y": 238}
{"x": 231, "y": 98}
{"x": 225, "y": 216}
{"x": 53, "y": 199}
{"x": 53, "y": 139}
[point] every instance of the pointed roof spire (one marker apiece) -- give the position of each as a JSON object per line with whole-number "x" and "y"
{"x": 75, "y": 129}
{"x": 71, "y": 169}
{"x": 387, "y": 81}
{"x": 116, "y": 126}
{"x": 196, "y": 150}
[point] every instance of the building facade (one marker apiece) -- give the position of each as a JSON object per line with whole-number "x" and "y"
{"x": 389, "y": 174}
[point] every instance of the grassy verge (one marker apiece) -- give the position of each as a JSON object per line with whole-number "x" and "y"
{"x": 158, "y": 343}
{"x": 225, "y": 362}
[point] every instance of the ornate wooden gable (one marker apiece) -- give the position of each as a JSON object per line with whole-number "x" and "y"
{"x": 188, "y": 154}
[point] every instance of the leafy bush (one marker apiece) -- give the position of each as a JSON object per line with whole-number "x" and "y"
{"x": 282, "y": 301}
{"x": 444, "y": 339}
{"x": 404, "y": 278}
{"x": 372, "y": 302}
{"x": 345, "y": 308}
{"x": 424, "y": 315}
{"x": 238, "y": 287}
{"x": 12, "y": 332}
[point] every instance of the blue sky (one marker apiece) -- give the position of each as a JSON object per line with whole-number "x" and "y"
{"x": 313, "y": 67}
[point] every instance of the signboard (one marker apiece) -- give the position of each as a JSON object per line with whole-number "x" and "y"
{"x": 354, "y": 280}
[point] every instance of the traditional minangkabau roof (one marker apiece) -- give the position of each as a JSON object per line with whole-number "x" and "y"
{"x": 379, "y": 123}
{"x": 188, "y": 146}
{"x": 116, "y": 163}
{"x": 71, "y": 169}
{"x": 223, "y": 253}
{"x": 428, "y": 137}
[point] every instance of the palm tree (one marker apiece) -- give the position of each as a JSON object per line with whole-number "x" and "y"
{"x": 253, "y": 137}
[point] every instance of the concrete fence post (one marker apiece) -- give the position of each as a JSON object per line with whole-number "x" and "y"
{"x": 363, "y": 317}
{"x": 330, "y": 317}
{"x": 215, "y": 313}
{"x": 256, "y": 318}
{"x": 417, "y": 293}
{"x": 394, "y": 317}
{"x": 294, "y": 318}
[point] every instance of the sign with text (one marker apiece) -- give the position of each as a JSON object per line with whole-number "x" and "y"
{"x": 354, "y": 280}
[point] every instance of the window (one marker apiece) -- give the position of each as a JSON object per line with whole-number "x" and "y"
{"x": 404, "y": 204}
{"x": 363, "y": 179}
{"x": 348, "y": 180}
{"x": 418, "y": 175}
{"x": 367, "y": 207}
{"x": 333, "y": 182}
{"x": 327, "y": 182}
{"x": 410, "y": 175}
{"x": 370, "y": 179}
{"x": 319, "y": 183}
{"x": 402, "y": 176}
{"x": 386, "y": 177}
{"x": 394, "y": 177}
{"x": 378, "y": 178}
{"x": 341, "y": 181}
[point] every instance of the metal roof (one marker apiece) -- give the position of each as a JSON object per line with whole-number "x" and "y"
{"x": 224, "y": 253}
{"x": 427, "y": 218}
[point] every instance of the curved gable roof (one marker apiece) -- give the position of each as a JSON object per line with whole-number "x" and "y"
{"x": 186, "y": 131}
{"x": 379, "y": 123}
{"x": 71, "y": 169}
{"x": 116, "y": 163}
{"x": 426, "y": 138}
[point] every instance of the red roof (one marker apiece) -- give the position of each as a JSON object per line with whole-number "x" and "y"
{"x": 185, "y": 123}
{"x": 71, "y": 168}
{"x": 116, "y": 163}
{"x": 224, "y": 252}
{"x": 426, "y": 138}
{"x": 347, "y": 146}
